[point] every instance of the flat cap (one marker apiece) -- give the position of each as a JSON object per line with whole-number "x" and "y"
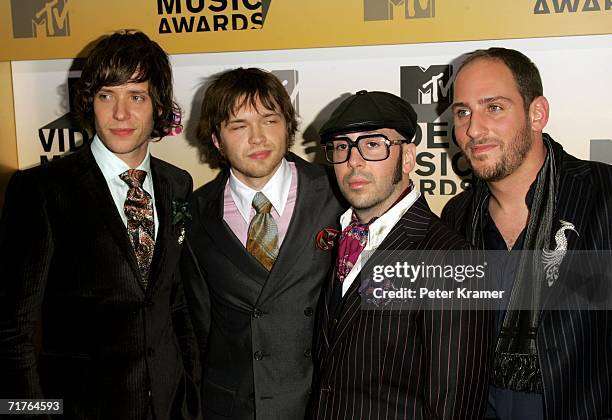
{"x": 365, "y": 111}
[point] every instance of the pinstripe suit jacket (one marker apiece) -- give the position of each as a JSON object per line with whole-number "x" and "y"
{"x": 417, "y": 364}
{"x": 574, "y": 346}
{"x": 110, "y": 348}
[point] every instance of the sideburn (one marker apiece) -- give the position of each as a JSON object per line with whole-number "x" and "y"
{"x": 397, "y": 174}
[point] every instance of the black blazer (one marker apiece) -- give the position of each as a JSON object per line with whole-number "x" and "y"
{"x": 574, "y": 346}
{"x": 110, "y": 349}
{"x": 401, "y": 364}
{"x": 254, "y": 328}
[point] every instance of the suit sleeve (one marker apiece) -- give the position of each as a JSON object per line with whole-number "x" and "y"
{"x": 459, "y": 339}
{"x": 26, "y": 250}
{"x": 449, "y": 213}
{"x": 195, "y": 282}
{"x": 197, "y": 294}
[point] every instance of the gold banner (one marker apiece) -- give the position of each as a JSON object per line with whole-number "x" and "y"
{"x": 44, "y": 29}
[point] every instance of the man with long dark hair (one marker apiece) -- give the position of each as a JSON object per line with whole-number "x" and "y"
{"x": 89, "y": 250}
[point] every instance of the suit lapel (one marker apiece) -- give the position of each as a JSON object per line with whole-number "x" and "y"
{"x": 405, "y": 235}
{"x": 94, "y": 185}
{"x": 301, "y": 232}
{"x": 211, "y": 208}
{"x": 326, "y": 320}
{"x": 163, "y": 200}
{"x": 575, "y": 204}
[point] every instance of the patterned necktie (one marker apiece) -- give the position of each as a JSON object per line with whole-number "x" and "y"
{"x": 140, "y": 225}
{"x": 352, "y": 241}
{"x": 262, "y": 240}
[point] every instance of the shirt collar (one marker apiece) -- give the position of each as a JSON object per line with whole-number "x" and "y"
{"x": 380, "y": 228}
{"x": 110, "y": 165}
{"x": 276, "y": 190}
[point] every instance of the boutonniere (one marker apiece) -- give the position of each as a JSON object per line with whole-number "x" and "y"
{"x": 326, "y": 238}
{"x": 180, "y": 215}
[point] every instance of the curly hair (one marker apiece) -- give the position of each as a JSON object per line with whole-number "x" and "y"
{"x": 230, "y": 91}
{"x": 127, "y": 56}
{"x": 524, "y": 71}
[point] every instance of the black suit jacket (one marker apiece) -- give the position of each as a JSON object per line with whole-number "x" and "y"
{"x": 396, "y": 364}
{"x": 254, "y": 328}
{"x": 574, "y": 345}
{"x": 110, "y": 349}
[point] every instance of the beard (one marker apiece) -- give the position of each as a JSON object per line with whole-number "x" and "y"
{"x": 513, "y": 154}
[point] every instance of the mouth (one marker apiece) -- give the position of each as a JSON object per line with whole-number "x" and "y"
{"x": 357, "y": 183}
{"x": 259, "y": 155}
{"x": 122, "y": 132}
{"x": 482, "y": 148}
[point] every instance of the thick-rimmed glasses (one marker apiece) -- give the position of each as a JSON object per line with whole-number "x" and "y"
{"x": 372, "y": 147}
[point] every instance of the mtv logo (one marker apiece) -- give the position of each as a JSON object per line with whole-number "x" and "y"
{"x": 412, "y": 9}
{"x": 601, "y": 151}
{"x": 67, "y": 121}
{"x": 289, "y": 79}
{"x": 428, "y": 89}
{"x": 40, "y": 18}
{"x": 265, "y": 6}
{"x": 65, "y": 133}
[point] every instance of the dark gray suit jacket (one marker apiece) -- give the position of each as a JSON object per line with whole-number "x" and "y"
{"x": 110, "y": 349}
{"x": 402, "y": 363}
{"x": 255, "y": 328}
{"x": 574, "y": 345}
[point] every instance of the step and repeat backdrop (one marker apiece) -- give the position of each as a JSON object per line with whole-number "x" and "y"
{"x": 321, "y": 51}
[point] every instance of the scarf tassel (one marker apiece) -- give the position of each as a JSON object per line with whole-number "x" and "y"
{"x": 517, "y": 372}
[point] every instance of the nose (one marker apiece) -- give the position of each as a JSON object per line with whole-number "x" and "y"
{"x": 355, "y": 159}
{"x": 257, "y": 135}
{"x": 120, "y": 110}
{"x": 476, "y": 127}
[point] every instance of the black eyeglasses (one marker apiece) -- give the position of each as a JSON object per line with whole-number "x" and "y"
{"x": 372, "y": 147}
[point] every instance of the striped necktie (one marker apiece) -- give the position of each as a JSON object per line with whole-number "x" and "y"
{"x": 262, "y": 239}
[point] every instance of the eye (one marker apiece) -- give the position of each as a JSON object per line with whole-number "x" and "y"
{"x": 495, "y": 108}
{"x": 373, "y": 144}
{"x": 138, "y": 98}
{"x": 339, "y": 146}
{"x": 462, "y": 113}
{"x": 104, "y": 97}
{"x": 271, "y": 121}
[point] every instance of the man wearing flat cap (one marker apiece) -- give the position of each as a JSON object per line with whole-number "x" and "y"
{"x": 386, "y": 363}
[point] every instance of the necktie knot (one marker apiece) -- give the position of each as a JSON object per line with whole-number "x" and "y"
{"x": 261, "y": 204}
{"x": 353, "y": 240}
{"x": 134, "y": 177}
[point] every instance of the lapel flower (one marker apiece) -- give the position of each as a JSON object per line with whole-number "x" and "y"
{"x": 180, "y": 215}
{"x": 326, "y": 238}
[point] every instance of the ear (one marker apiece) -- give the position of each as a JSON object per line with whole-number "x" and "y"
{"x": 217, "y": 143}
{"x": 538, "y": 113}
{"x": 408, "y": 157}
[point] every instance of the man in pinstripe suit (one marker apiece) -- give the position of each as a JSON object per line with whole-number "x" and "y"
{"x": 552, "y": 363}
{"x": 383, "y": 363}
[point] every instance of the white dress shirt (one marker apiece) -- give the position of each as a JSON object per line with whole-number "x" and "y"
{"x": 111, "y": 167}
{"x": 378, "y": 231}
{"x": 276, "y": 190}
